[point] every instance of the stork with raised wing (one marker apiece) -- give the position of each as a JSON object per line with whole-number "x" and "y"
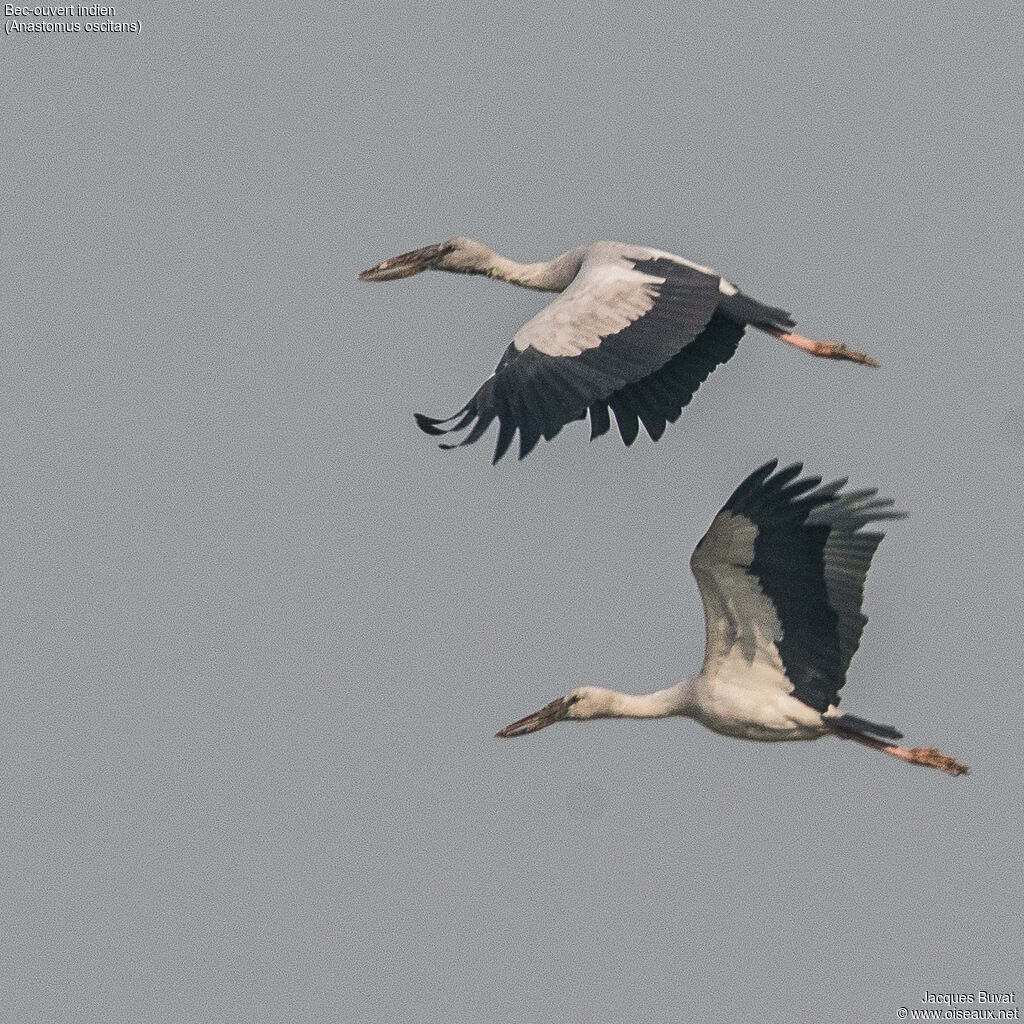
{"x": 635, "y": 331}
{"x": 781, "y": 573}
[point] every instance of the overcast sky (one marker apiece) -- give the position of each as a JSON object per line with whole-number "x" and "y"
{"x": 258, "y": 631}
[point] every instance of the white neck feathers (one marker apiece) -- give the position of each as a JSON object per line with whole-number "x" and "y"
{"x": 469, "y": 257}
{"x": 612, "y": 704}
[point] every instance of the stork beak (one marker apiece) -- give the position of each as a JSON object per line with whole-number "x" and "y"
{"x": 556, "y": 711}
{"x": 406, "y": 265}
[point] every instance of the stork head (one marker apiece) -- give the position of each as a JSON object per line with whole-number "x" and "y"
{"x": 458, "y": 254}
{"x": 583, "y": 703}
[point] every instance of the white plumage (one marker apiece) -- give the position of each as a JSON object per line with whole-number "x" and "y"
{"x": 634, "y": 332}
{"x": 781, "y": 573}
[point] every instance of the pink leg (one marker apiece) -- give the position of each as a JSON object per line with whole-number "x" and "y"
{"x": 825, "y": 349}
{"x": 928, "y": 756}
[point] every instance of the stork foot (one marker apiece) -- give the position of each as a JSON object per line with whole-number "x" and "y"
{"x": 824, "y": 349}
{"x": 930, "y": 757}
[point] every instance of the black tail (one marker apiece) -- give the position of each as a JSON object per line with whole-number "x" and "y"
{"x": 746, "y": 310}
{"x": 862, "y": 727}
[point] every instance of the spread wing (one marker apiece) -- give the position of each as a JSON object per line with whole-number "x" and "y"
{"x": 781, "y": 573}
{"x": 636, "y": 333}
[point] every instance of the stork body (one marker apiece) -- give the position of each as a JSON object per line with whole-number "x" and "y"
{"x": 781, "y": 573}
{"x": 634, "y": 332}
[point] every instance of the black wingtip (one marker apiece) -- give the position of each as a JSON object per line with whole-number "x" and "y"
{"x": 429, "y": 425}
{"x": 752, "y": 482}
{"x": 600, "y": 421}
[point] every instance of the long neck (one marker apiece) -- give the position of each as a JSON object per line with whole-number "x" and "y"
{"x": 660, "y": 704}
{"x": 552, "y": 276}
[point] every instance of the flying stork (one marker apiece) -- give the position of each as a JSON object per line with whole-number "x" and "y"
{"x": 781, "y": 573}
{"x": 634, "y": 330}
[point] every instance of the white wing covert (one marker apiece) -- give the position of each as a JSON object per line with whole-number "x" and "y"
{"x": 781, "y": 573}
{"x": 635, "y": 333}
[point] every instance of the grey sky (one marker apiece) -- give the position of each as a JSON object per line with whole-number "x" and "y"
{"x": 258, "y": 632}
